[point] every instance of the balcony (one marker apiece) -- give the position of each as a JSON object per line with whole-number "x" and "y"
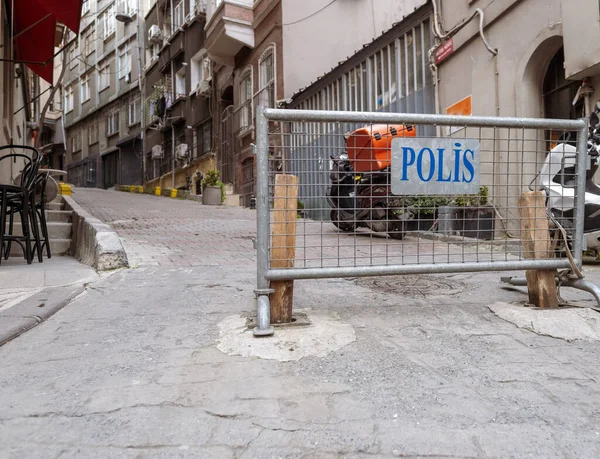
{"x": 229, "y": 28}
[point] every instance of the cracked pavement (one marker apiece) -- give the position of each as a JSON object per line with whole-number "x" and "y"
{"x": 131, "y": 368}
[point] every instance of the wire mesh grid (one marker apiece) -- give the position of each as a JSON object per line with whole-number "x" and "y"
{"x": 341, "y": 210}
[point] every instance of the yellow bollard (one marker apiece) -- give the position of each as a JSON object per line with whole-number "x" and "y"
{"x": 157, "y": 191}
{"x": 131, "y": 189}
{"x": 140, "y": 189}
{"x": 64, "y": 189}
{"x": 174, "y": 192}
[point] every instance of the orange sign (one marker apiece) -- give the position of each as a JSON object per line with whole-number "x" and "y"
{"x": 463, "y": 107}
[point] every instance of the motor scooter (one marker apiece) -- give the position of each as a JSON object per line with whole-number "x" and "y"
{"x": 558, "y": 177}
{"x": 360, "y": 194}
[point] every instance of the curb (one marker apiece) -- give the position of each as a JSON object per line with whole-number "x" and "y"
{"x": 95, "y": 243}
{"x": 34, "y": 310}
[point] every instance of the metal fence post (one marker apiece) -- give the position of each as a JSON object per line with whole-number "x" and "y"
{"x": 263, "y": 312}
{"x": 582, "y": 165}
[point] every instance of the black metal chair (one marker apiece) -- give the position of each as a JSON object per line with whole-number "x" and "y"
{"x": 39, "y": 208}
{"x": 19, "y": 199}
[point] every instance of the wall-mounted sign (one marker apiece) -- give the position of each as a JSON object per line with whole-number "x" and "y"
{"x": 444, "y": 51}
{"x": 435, "y": 166}
{"x": 463, "y": 107}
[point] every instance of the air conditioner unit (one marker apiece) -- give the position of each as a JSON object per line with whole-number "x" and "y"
{"x": 203, "y": 88}
{"x": 206, "y": 69}
{"x": 157, "y": 152}
{"x": 200, "y": 6}
{"x": 154, "y": 34}
{"x": 181, "y": 150}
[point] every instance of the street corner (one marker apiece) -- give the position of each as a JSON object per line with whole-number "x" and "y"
{"x": 566, "y": 323}
{"x": 324, "y": 334}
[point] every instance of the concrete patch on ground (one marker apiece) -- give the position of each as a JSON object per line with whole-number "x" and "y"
{"x": 326, "y": 334}
{"x": 564, "y": 323}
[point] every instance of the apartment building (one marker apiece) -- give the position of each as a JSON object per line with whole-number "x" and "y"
{"x": 179, "y": 145}
{"x": 102, "y": 96}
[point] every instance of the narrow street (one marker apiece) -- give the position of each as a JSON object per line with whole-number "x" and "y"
{"x": 131, "y": 368}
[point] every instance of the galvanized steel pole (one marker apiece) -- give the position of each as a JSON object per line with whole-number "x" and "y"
{"x": 582, "y": 166}
{"x": 263, "y": 309}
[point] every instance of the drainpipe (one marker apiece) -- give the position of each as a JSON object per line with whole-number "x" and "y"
{"x": 443, "y": 36}
{"x": 173, "y": 155}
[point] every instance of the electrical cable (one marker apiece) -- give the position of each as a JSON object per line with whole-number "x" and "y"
{"x": 310, "y": 15}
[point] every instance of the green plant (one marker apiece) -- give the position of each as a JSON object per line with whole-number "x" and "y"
{"x": 300, "y": 209}
{"x": 473, "y": 200}
{"x": 213, "y": 178}
{"x": 427, "y": 205}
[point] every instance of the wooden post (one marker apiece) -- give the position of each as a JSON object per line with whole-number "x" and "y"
{"x": 283, "y": 247}
{"x": 536, "y": 244}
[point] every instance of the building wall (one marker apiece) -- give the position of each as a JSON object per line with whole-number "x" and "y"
{"x": 13, "y": 126}
{"x": 344, "y": 27}
{"x": 268, "y": 38}
{"x": 185, "y": 119}
{"x": 527, "y": 34}
{"x": 99, "y": 58}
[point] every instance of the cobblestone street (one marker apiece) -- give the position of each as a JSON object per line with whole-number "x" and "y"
{"x": 159, "y": 231}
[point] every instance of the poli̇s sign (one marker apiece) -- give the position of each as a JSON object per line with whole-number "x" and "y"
{"x": 435, "y": 166}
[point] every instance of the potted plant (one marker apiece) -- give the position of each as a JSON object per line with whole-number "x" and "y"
{"x": 213, "y": 189}
{"x": 476, "y": 215}
{"x": 426, "y": 210}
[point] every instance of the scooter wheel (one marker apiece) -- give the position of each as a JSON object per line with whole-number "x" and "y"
{"x": 347, "y": 227}
{"x": 398, "y": 232}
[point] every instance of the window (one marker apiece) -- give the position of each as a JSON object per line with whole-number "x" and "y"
{"x": 85, "y": 7}
{"x": 178, "y": 16}
{"x": 89, "y": 38}
{"x": 85, "y": 87}
{"x": 127, "y": 7}
{"x": 112, "y": 123}
{"x": 180, "y": 83}
{"x": 125, "y": 63}
{"x": 58, "y": 98}
{"x": 68, "y": 98}
{"x": 201, "y": 69}
{"x": 207, "y": 137}
{"x": 267, "y": 79}
{"x": 245, "y": 105}
{"x": 108, "y": 22}
{"x": 72, "y": 55}
{"x": 104, "y": 75}
{"x": 76, "y": 142}
{"x": 93, "y": 133}
{"x": 133, "y": 112}
{"x": 202, "y": 139}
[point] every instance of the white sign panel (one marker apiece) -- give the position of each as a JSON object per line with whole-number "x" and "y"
{"x": 430, "y": 166}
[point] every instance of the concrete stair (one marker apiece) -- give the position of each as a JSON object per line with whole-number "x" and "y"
{"x": 59, "y": 225}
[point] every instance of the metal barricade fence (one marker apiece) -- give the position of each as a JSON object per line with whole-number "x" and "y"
{"x": 459, "y": 218}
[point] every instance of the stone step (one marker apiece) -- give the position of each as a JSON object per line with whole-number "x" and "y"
{"x": 56, "y": 230}
{"x": 55, "y": 205}
{"x": 63, "y": 216}
{"x": 59, "y": 216}
{"x": 57, "y": 247}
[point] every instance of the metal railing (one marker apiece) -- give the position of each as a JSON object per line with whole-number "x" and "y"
{"x": 460, "y": 218}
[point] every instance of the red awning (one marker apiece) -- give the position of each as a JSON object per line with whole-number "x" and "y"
{"x": 35, "y": 29}
{"x": 66, "y": 11}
